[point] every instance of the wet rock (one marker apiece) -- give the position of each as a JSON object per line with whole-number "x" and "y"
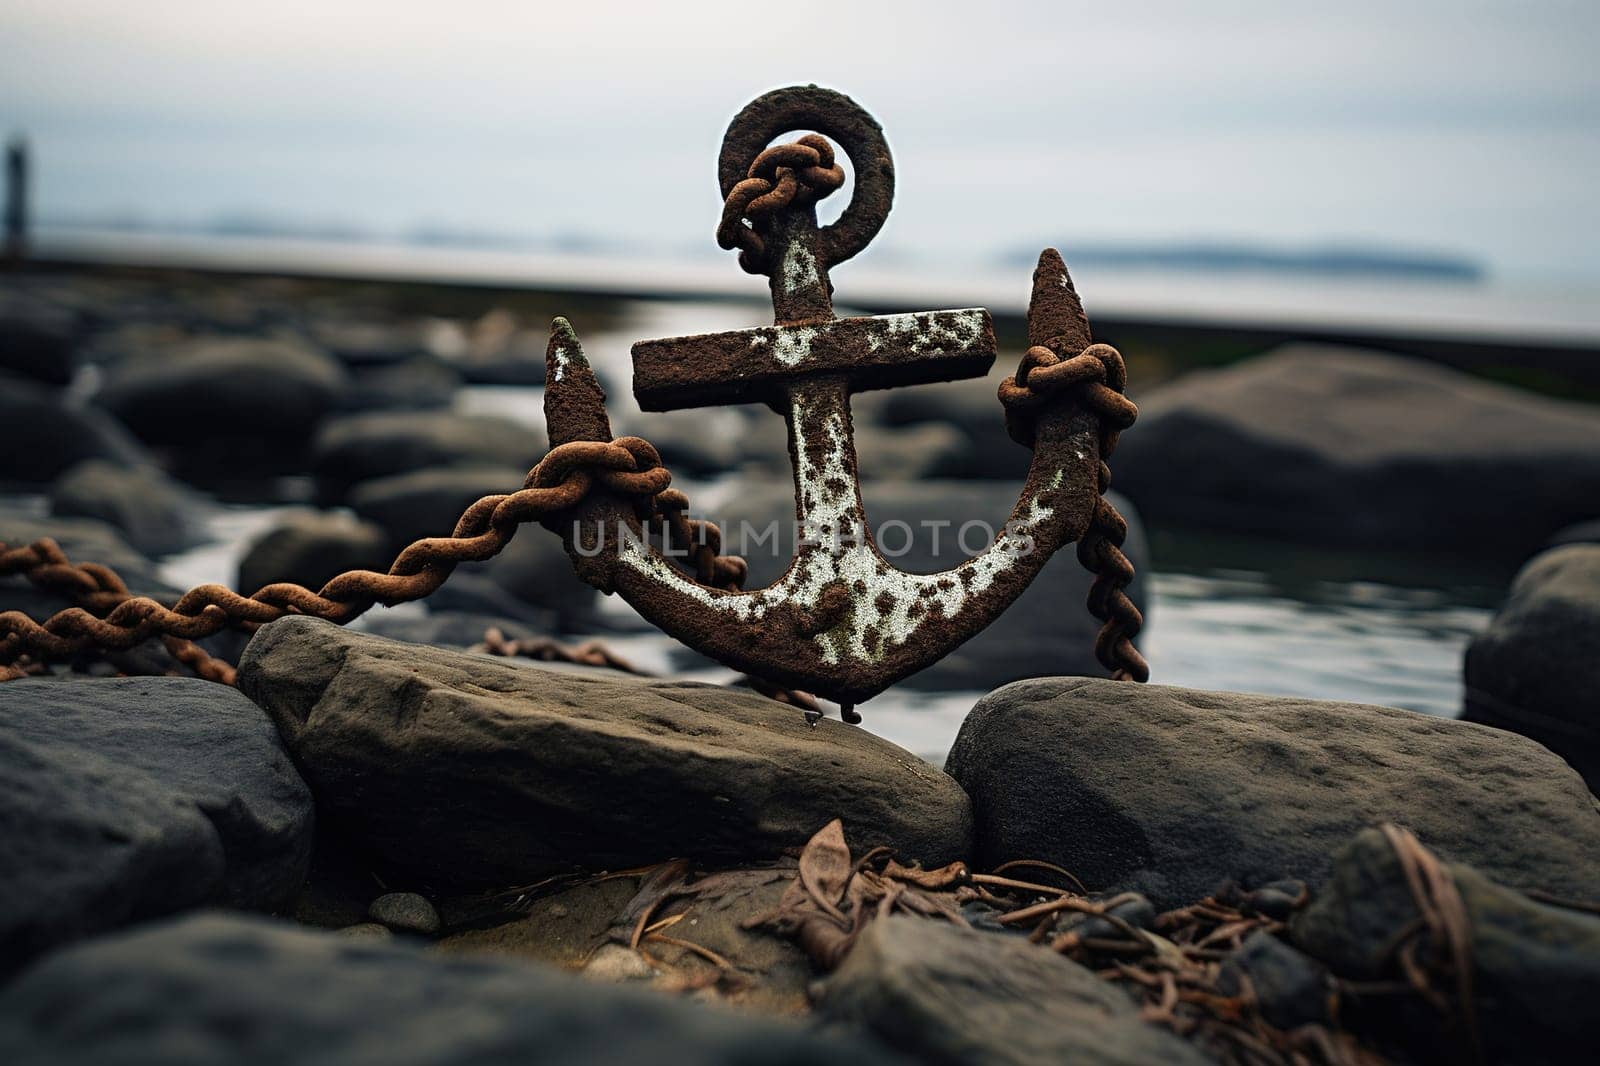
{"x": 419, "y": 383}
{"x": 971, "y": 408}
{"x": 1581, "y": 533}
{"x": 367, "y": 931}
{"x": 85, "y": 540}
{"x": 381, "y": 444}
{"x": 1535, "y": 967}
{"x": 1342, "y": 446}
{"x": 1292, "y": 988}
{"x": 222, "y": 990}
{"x": 223, "y": 405}
{"x": 930, "y": 450}
{"x": 310, "y": 548}
{"x": 712, "y": 442}
{"x": 37, "y": 342}
{"x": 361, "y": 344}
{"x": 126, "y": 798}
{"x": 533, "y": 569}
{"x": 1171, "y": 791}
{"x": 41, "y": 436}
{"x": 405, "y": 912}
{"x": 157, "y": 514}
{"x": 961, "y": 997}
{"x": 1536, "y": 669}
{"x": 465, "y": 770}
{"x": 920, "y": 527}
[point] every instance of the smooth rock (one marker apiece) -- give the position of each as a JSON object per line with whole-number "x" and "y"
{"x": 224, "y": 405}
{"x": 466, "y": 770}
{"x": 85, "y": 540}
{"x": 405, "y": 912}
{"x": 421, "y": 382}
{"x": 367, "y": 931}
{"x": 1535, "y": 967}
{"x": 1292, "y": 988}
{"x": 1343, "y": 446}
{"x": 962, "y": 997}
{"x": 1171, "y": 791}
{"x": 158, "y": 515}
{"x": 1536, "y": 669}
{"x": 215, "y": 990}
{"x": 971, "y": 408}
{"x": 533, "y": 569}
{"x": 122, "y": 799}
{"x": 309, "y": 548}
{"x": 37, "y": 342}
{"x": 919, "y": 526}
{"x": 381, "y": 444}
{"x": 614, "y": 963}
{"x": 41, "y": 436}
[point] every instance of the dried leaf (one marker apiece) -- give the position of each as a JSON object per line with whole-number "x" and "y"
{"x": 825, "y": 868}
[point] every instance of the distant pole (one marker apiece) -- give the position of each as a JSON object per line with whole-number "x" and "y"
{"x": 16, "y": 246}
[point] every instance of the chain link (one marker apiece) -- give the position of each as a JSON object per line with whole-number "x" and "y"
{"x": 1098, "y": 376}
{"x": 109, "y": 618}
{"x": 802, "y": 170}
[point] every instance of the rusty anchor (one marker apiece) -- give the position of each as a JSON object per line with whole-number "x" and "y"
{"x": 842, "y": 621}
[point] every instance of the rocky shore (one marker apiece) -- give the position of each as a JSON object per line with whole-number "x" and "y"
{"x": 388, "y": 844}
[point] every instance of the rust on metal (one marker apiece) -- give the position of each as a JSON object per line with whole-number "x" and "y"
{"x": 842, "y": 621}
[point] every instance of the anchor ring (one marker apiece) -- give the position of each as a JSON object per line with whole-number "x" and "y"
{"x": 835, "y": 115}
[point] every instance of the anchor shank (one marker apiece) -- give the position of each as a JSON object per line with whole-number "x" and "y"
{"x": 801, "y": 291}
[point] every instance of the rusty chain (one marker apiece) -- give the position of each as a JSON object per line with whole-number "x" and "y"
{"x": 803, "y": 169}
{"x": 1098, "y": 376}
{"x": 108, "y": 617}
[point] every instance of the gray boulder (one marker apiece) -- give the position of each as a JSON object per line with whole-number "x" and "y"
{"x": 1341, "y": 446}
{"x": 533, "y": 571}
{"x": 971, "y": 408}
{"x": 85, "y": 540}
{"x": 157, "y": 514}
{"x": 1048, "y": 630}
{"x": 960, "y": 997}
{"x": 226, "y": 404}
{"x": 126, "y": 798}
{"x": 214, "y": 990}
{"x": 1535, "y": 968}
{"x": 41, "y": 436}
{"x": 1536, "y": 669}
{"x": 1171, "y": 791}
{"x": 381, "y": 444}
{"x": 37, "y": 342}
{"x": 421, "y": 382}
{"x": 310, "y": 548}
{"x": 470, "y": 771}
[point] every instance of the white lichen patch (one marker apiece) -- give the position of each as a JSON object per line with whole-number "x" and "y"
{"x": 887, "y": 607}
{"x": 799, "y": 269}
{"x": 792, "y": 344}
{"x": 927, "y": 332}
{"x": 561, "y": 360}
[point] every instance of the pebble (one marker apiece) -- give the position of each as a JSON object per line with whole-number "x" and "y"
{"x": 405, "y": 912}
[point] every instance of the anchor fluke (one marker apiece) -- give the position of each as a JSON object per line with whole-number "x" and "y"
{"x": 574, "y": 402}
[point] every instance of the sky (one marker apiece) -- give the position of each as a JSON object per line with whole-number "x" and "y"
{"x": 1459, "y": 126}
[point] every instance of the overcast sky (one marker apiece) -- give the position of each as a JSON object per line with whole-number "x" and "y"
{"x": 1454, "y": 125}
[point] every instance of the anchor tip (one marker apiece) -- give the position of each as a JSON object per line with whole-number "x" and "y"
{"x": 574, "y": 402}
{"x": 1055, "y": 313}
